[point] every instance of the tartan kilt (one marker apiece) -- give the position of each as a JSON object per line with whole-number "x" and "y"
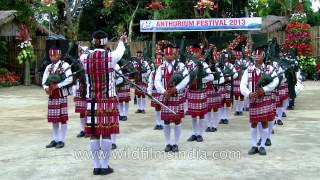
{"x": 106, "y": 117}
{"x": 262, "y": 110}
{"x": 176, "y": 104}
{"x": 214, "y": 98}
{"x": 80, "y": 103}
{"x": 236, "y": 88}
{"x": 226, "y": 94}
{"x": 140, "y": 93}
{"x": 123, "y": 93}
{"x": 197, "y": 102}
{"x": 58, "y": 110}
{"x": 283, "y": 92}
{"x": 156, "y": 95}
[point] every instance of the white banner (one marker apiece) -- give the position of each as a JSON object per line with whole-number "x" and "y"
{"x": 214, "y": 24}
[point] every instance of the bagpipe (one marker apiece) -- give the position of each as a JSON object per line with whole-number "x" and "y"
{"x": 77, "y": 73}
{"x": 141, "y": 89}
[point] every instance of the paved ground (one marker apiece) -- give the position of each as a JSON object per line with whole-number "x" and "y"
{"x": 25, "y": 132}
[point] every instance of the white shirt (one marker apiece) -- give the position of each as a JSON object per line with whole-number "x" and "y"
{"x": 119, "y": 78}
{"x": 246, "y": 84}
{"x": 68, "y": 73}
{"x": 159, "y": 81}
{"x": 115, "y": 55}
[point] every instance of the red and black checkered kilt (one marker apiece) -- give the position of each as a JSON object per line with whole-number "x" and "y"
{"x": 123, "y": 93}
{"x": 283, "y": 92}
{"x": 262, "y": 109}
{"x": 140, "y": 93}
{"x": 236, "y": 88}
{"x": 156, "y": 95}
{"x": 106, "y": 118}
{"x": 58, "y": 109}
{"x": 214, "y": 98}
{"x": 226, "y": 94}
{"x": 80, "y": 103}
{"x": 176, "y": 104}
{"x": 197, "y": 102}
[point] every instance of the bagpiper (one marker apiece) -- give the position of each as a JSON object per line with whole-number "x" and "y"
{"x": 240, "y": 65}
{"x": 153, "y": 91}
{"x": 230, "y": 74}
{"x": 213, "y": 93}
{"x": 257, "y": 82}
{"x": 123, "y": 90}
{"x": 197, "y": 94}
{"x": 81, "y": 102}
{"x": 141, "y": 77}
{"x": 102, "y": 114}
{"x": 58, "y": 92}
{"x": 170, "y": 81}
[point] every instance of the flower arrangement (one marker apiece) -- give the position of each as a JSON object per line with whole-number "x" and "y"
{"x": 7, "y": 78}
{"x": 240, "y": 38}
{"x": 298, "y": 33}
{"x": 26, "y": 52}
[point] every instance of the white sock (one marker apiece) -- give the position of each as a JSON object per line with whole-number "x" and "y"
{"x": 126, "y": 109}
{"x": 285, "y": 106}
{"x": 253, "y": 136}
{"x": 222, "y": 113}
{"x": 177, "y": 132}
{"x": 270, "y": 123}
{"x": 106, "y": 147}
{"x": 157, "y": 117}
{"x": 55, "y": 131}
{"x": 260, "y": 128}
{"x": 208, "y": 118}
{"x": 194, "y": 126}
{"x": 247, "y": 102}
{"x": 235, "y": 105}
{"x": 185, "y": 107}
{"x": 167, "y": 133}
{"x": 215, "y": 119}
{"x": 113, "y": 138}
{"x": 139, "y": 103}
{"x": 63, "y": 131}
{"x": 227, "y": 112}
{"x": 82, "y": 123}
{"x": 241, "y": 106}
{"x": 120, "y": 108}
{"x": 143, "y": 103}
{"x": 201, "y": 126}
{"x": 279, "y": 113}
{"x": 264, "y": 134}
{"x": 94, "y": 148}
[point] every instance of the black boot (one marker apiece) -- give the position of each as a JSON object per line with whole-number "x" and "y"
{"x": 106, "y": 171}
{"x": 192, "y": 138}
{"x": 114, "y": 146}
{"x": 208, "y": 129}
{"x": 96, "y": 171}
{"x": 259, "y": 142}
{"x": 279, "y": 122}
{"x": 60, "y": 145}
{"x": 284, "y": 114}
{"x": 52, "y": 144}
{"x": 213, "y": 129}
{"x": 199, "y": 138}
{"x": 221, "y": 121}
{"x": 81, "y": 134}
{"x": 268, "y": 142}
{"x": 168, "y": 148}
{"x": 253, "y": 150}
{"x": 160, "y": 127}
{"x": 175, "y": 148}
{"x": 262, "y": 151}
{"x": 226, "y": 121}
